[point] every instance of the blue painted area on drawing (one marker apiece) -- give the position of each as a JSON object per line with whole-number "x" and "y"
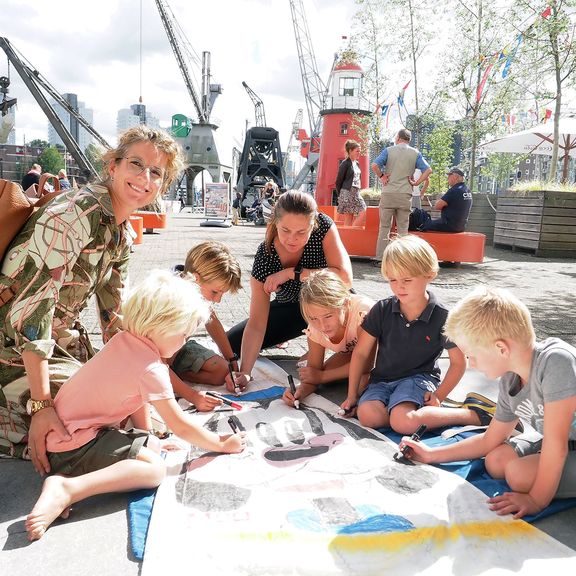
{"x": 379, "y": 523}
{"x": 306, "y": 520}
{"x": 272, "y": 392}
{"x": 372, "y": 522}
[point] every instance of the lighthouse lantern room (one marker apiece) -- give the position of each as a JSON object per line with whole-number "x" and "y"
{"x": 344, "y": 101}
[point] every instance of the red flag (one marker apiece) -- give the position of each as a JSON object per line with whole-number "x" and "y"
{"x": 546, "y": 13}
{"x": 401, "y": 95}
{"x": 482, "y": 82}
{"x": 547, "y": 115}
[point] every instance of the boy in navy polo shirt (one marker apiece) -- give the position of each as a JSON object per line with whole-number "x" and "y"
{"x": 408, "y": 330}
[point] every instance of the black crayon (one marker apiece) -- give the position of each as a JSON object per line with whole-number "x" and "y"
{"x": 293, "y": 390}
{"x": 231, "y": 371}
{"x": 406, "y": 450}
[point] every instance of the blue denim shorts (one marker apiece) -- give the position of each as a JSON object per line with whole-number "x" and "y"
{"x": 409, "y": 389}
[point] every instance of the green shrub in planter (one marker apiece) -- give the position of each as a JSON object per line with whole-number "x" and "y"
{"x": 371, "y": 196}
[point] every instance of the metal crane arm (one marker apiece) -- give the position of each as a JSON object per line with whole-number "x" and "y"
{"x": 32, "y": 79}
{"x": 314, "y": 88}
{"x": 168, "y": 26}
{"x": 258, "y": 106}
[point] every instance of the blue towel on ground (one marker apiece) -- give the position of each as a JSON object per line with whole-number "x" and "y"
{"x": 474, "y": 472}
{"x": 140, "y": 503}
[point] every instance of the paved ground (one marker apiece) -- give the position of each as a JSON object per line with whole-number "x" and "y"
{"x": 93, "y": 541}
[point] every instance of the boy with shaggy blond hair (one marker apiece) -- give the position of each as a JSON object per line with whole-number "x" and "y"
{"x": 537, "y": 385}
{"x": 216, "y": 271}
{"x": 408, "y": 330}
{"x": 97, "y": 456}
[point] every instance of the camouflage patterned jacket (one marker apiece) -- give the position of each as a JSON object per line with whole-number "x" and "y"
{"x": 68, "y": 251}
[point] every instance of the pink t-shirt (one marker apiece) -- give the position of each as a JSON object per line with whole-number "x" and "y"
{"x": 127, "y": 373}
{"x": 359, "y": 306}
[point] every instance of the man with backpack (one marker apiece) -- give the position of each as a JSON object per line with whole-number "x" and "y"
{"x": 454, "y": 208}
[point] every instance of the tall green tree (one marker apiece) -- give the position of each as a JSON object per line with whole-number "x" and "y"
{"x": 399, "y": 31}
{"x": 94, "y": 154}
{"x": 549, "y": 54}
{"x": 38, "y": 143}
{"x": 439, "y": 154}
{"x": 479, "y": 92}
{"x": 51, "y": 160}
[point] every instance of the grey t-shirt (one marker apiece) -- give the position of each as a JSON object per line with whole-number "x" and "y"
{"x": 552, "y": 377}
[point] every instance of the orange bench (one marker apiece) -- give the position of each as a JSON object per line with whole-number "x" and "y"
{"x": 151, "y": 220}
{"x": 138, "y": 226}
{"x": 449, "y": 246}
{"x": 456, "y": 246}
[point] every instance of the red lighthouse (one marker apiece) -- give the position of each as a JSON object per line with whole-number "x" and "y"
{"x": 345, "y": 99}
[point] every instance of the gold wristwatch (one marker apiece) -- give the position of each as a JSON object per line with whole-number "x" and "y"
{"x": 33, "y": 406}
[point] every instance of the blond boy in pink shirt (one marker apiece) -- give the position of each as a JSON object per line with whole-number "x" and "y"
{"x": 97, "y": 456}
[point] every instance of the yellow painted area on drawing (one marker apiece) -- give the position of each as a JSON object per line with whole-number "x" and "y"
{"x": 393, "y": 541}
{"x": 438, "y": 535}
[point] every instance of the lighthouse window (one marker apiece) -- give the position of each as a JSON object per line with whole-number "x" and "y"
{"x": 343, "y": 129}
{"x": 349, "y": 86}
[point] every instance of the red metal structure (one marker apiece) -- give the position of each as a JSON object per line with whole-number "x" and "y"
{"x": 344, "y": 100}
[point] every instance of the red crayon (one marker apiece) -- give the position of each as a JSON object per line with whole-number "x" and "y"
{"x": 225, "y": 400}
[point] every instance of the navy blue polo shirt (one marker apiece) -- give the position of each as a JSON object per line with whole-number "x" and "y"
{"x": 455, "y": 215}
{"x": 406, "y": 348}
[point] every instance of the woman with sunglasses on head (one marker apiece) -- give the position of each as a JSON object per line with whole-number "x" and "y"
{"x": 74, "y": 247}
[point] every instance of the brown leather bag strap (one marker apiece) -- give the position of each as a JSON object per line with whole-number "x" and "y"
{"x": 8, "y": 293}
{"x": 44, "y": 179}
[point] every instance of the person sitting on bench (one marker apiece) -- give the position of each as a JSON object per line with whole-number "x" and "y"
{"x": 454, "y": 208}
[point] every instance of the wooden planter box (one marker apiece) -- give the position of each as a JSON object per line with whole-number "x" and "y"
{"x": 542, "y": 221}
{"x": 482, "y": 216}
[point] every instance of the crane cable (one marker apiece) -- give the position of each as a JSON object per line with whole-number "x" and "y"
{"x": 140, "y": 99}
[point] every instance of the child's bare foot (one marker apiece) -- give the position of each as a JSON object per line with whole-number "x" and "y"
{"x": 54, "y": 501}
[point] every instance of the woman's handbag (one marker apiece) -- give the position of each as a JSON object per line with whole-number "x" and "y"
{"x": 16, "y": 206}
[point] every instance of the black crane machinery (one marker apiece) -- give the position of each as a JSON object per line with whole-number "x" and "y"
{"x": 37, "y": 85}
{"x": 315, "y": 93}
{"x": 197, "y": 138}
{"x": 258, "y": 105}
{"x": 6, "y": 105}
{"x": 261, "y": 157}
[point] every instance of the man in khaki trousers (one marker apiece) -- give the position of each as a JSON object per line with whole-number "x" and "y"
{"x": 395, "y": 166}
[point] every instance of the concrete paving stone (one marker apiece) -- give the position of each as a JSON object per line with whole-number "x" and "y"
{"x": 94, "y": 540}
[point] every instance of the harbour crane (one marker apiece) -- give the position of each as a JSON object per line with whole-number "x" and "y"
{"x": 315, "y": 93}
{"x": 197, "y": 138}
{"x": 36, "y": 83}
{"x": 294, "y": 133}
{"x": 258, "y": 105}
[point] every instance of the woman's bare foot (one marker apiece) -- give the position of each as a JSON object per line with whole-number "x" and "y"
{"x": 54, "y": 501}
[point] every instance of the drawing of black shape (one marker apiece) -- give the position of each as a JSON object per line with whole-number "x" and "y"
{"x": 316, "y": 446}
{"x": 267, "y": 434}
{"x": 213, "y": 496}
{"x": 294, "y": 432}
{"x": 407, "y": 480}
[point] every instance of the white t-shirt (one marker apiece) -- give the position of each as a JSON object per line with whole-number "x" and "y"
{"x": 416, "y": 189}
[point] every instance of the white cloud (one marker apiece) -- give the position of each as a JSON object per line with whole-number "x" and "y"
{"x": 93, "y": 49}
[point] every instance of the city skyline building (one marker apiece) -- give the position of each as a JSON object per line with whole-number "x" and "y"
{"x": 82, "y": 137}
{"x": 133, "y": 116}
